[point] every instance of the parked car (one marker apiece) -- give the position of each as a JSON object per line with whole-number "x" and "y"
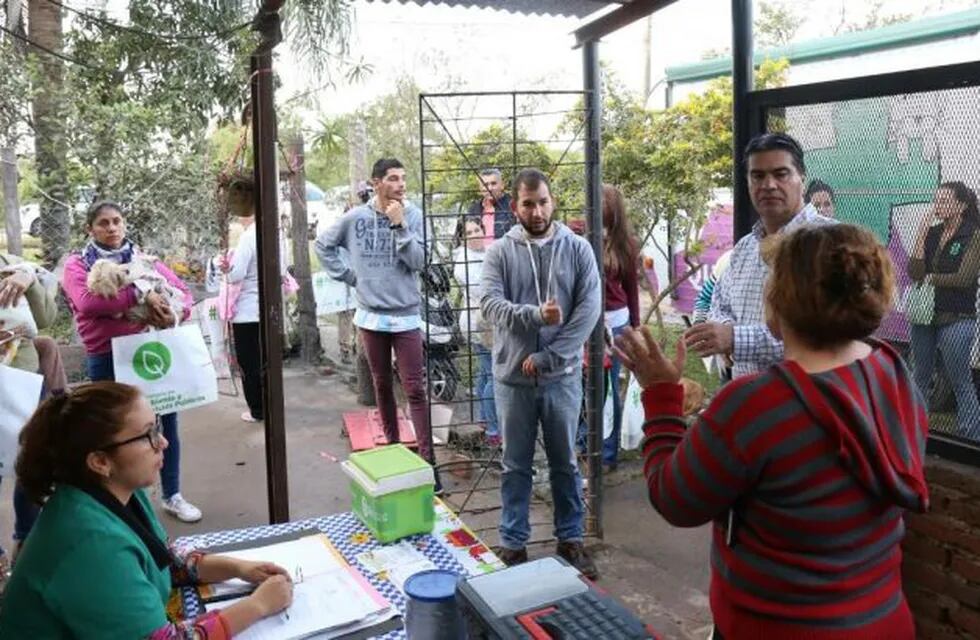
{"x": 322, "y": 208}
{"x": 30, "y": 213}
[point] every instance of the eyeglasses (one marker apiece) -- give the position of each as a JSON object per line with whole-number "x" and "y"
{"x": 154, "y": 436}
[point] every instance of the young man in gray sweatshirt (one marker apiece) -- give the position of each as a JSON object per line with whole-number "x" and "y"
{"x": 542, "y": 295}
{"x": 385, "y": 252}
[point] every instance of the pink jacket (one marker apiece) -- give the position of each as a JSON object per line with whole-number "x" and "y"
{"x": 99, "y": 319}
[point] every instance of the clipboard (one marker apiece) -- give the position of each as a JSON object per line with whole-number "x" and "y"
{"x": 206, "y": 592}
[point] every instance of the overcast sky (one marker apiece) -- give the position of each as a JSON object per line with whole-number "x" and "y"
{"x": 486, "y": 49}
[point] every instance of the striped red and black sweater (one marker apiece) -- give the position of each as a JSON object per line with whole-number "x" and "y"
{"x": 814, "y": 472}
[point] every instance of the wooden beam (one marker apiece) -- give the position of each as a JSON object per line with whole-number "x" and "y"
{"x": 617, "y": 19}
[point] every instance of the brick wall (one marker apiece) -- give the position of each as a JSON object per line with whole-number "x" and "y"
{"x": 942, "y": 555}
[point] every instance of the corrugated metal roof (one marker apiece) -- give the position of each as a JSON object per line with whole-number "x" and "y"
{"x": 571, "y": 8}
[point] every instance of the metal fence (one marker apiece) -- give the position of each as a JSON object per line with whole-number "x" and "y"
{"x": 469, "y": 141}
{"x": 885, "y": 146}
{"x": 172, "y": 215}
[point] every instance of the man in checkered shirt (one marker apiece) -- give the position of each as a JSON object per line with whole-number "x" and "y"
{"x": 736, "y": 326}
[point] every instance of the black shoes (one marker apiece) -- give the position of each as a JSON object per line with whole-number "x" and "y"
{"x": 576, "y": 555}
{"x": 511, "y": 557}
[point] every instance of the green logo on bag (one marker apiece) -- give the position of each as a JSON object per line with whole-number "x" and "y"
{"x": 152, "y": 361}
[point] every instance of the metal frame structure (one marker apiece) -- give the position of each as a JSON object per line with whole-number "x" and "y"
{"x": 471, "y": 165}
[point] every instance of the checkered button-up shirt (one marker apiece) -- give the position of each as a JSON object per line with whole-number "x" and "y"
{"x": 737, "y": 298}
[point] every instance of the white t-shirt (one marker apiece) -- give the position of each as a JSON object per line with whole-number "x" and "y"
{"x": 245, "y": 270}
{"x": 468, "y": 270}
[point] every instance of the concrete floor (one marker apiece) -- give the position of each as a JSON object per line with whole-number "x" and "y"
{"x": 658, "y": 571}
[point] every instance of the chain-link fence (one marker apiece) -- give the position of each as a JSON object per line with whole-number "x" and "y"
{"x": 906, "y": 166}
{"x": 472, "y": 147}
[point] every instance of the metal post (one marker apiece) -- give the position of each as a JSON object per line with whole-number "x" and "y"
{"x": 425, "y": 244}
{"x": 593, "y": 203}
{"x": 742, "y": 80}
{"x": 270, "y": 281}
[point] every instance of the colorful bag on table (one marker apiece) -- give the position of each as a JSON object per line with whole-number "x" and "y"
{"x": 172, "y": 367}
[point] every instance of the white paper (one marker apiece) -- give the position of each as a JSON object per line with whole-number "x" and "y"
{"x": 20, "y": 392}
{"x": 400, "y": 561}
{"x": 309, "y": 554}
{"x": 328, "y": 601}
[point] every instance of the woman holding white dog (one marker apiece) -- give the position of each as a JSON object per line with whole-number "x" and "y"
{"x": 157, "y": 299}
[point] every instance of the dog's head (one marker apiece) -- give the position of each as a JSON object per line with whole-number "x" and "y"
{"x": 106, "y": 278}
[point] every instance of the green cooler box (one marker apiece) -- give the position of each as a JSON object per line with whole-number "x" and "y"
{"x": 391, "y": 491}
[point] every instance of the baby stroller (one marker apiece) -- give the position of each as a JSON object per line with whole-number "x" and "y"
{"x": 440, "y": 333}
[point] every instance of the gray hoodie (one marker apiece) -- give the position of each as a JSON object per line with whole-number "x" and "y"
{"x": 382, "y": 262}
{"x": 565, "y": 269}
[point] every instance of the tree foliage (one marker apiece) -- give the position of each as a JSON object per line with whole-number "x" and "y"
{"x": 668, "y": 162}
{"x": 139, "y": 99}
{"x": 452, "y": 182}
{"x": 777, "y": 24}
{"x": 391, "y": 124}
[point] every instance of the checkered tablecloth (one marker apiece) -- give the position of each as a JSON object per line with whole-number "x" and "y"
{"x": 450, "y": 546}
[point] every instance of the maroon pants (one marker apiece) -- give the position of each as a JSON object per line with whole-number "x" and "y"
{"x": 407, "y": 346}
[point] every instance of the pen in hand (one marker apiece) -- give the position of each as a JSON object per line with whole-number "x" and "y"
{"x": 297, "y": 579}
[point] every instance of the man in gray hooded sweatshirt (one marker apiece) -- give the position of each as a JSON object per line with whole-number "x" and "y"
{"x": 542, "y": 294}
{"x": 384, "y": 253}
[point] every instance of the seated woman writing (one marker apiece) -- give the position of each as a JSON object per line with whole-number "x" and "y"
{"x": 96, "y": 564}
{"x": 807, "y": 468}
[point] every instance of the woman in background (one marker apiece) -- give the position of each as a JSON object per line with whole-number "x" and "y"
{"x": 947, "y": 257}
{"x": 821, "y": 196}
{"x": 620, "y": 255}
{"x": 468, "y": 270}
{"x": 99, "y": 320}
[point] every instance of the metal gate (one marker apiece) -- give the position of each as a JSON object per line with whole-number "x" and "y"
{"x": 885, "y": 145}
{"x": 469, "y": 142}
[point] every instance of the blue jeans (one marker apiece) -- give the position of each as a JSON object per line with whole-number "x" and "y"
{"x": 100, "y": 368}
{"x": 25, "y": 515}
{"x": 610, "y": 446}
{"x": 953, "y": 342}
{"x": 483, "y": 389}
{"x": 520, "y": 409}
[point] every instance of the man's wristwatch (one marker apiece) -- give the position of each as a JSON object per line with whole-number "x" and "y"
{"x": 400, "y": 225}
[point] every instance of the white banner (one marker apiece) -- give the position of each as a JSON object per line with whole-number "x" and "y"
{"x": 20, "y": 392}
{"x": 171, "y": 367}
{"x": 332, "y": 296}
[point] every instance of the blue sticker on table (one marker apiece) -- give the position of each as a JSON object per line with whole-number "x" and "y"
{"x": 347, "y": 534}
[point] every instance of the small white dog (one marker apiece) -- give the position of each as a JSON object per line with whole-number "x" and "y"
{"x": 106, "y": 278}
{"x": 16, "y": 321}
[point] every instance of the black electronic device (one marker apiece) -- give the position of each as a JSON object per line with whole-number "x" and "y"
{"x": 546, "y": 599}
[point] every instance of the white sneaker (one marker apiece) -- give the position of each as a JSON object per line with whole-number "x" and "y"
{"x": 181, "y": 509}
